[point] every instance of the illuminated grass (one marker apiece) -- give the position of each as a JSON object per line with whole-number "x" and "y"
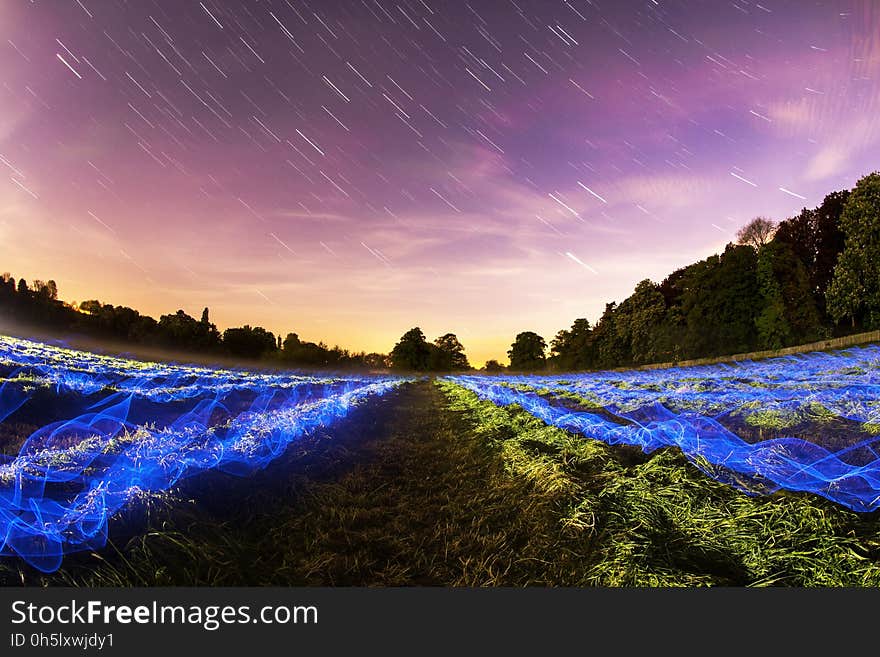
{"x": 432, "y": 486}
{"x": 802, "y": 423}
{"x": 109, "y": 429}
{"x": 402, "y": 492}
{"x": 660, "y": 521}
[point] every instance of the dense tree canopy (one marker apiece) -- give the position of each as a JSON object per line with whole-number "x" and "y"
{"x": 247, "y": 342}
{"x": 572, "y": 349}
{"x": 299, "y": 353}
{"x": 527, "y": 352}
{"x": 643, "y": 313}
{"x": 769, "y": 291}
{"x": 412, "y": 352}
{"x": 493, "y": 367}
{"x": 854, "y": 292}
{"x": 784, "y": 283}
{"x": 448, "y": 354}
{"x": 181, "y": 329}
{"x": 816, "y": 239}
{"x": 37, "y": 305}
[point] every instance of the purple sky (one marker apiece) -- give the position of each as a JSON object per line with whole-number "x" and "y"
{"x": 348, "y": 170}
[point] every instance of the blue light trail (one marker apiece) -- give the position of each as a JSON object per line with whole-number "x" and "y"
{"x": 821, "y": 411}
{"x": 139, "y": 429}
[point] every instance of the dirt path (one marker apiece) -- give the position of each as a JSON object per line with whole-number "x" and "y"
{"x": 433, "y": 505}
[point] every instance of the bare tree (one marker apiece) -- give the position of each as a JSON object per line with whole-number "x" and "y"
{"x": 757, "y": 232}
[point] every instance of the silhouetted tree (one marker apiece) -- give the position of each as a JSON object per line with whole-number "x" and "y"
{"x": 756, "y": 233}
{"x": 39, "y": 306}
{"x": 816, "y": 239}
{"x": 609, "y": 340}
{"x": 117, "y": 322}
{"x": 46, "y": 290}
{"x": 247, "y": 342}
{"x": 639, "y": 318}
{"x": 412, "y": 352}
{"x": 720, "y": 304}
{"x": 829, "y": 244}
{"x": 493, "y": 367}
{"x": 305, "y": 354}
{"x": 7, "y": 285}
{"x": 773, "y": 328}
{"x": 291, "y": 342}
{"x": 572, "y": 349}
{"x": 527, "y": 352}
{"x": 182, "y": 331}
{"x": 854, "y": 292}
{"x": 377, "y": 361}
{"x": 448, "y": 354}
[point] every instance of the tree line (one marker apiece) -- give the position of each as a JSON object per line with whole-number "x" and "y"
{"x": 38, "y": 304}
{"x": 812, "y": 276}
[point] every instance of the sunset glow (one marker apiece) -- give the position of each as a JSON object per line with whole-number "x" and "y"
{"x": 349, "y": 170}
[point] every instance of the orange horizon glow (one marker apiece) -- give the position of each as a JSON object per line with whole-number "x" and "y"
{"x": 374, "y": 177}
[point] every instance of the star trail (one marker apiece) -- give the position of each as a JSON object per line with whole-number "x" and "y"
{"x": 350, "y": 169}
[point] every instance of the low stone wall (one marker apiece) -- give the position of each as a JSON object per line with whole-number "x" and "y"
{"x": 822, "y": 345}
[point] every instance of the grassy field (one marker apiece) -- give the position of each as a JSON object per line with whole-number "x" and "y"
{"x": 431, "y": 486}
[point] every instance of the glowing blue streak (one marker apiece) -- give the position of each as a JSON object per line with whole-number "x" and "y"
{"x": 145, "y": 426}
{"x": 685, "y": 408}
